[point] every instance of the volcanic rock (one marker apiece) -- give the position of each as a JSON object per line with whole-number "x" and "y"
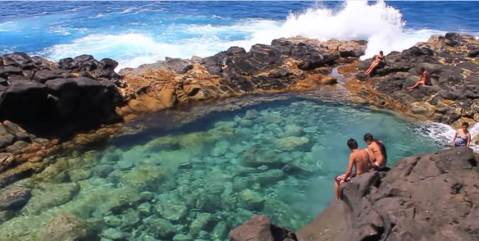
{"x": 451, "y": 92}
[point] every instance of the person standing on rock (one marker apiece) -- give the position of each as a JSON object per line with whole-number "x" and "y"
{"x": 462, "y": 136}
{"x": 422, "y": 81}
{"x": 359, "y": 159}
{"x": 375, "y": 63}
{"x": 377, "y": 152}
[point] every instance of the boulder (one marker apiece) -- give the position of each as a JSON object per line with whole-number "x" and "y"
{"x": 424, "y": 197}
{"x": 43, "y": 98}
{"x": 454, "y": 77}
{"x": 259, "y": 228}
{"x": 68, "y": 227}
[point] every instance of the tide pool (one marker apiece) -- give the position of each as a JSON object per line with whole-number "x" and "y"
{"x": 199, "y": 180}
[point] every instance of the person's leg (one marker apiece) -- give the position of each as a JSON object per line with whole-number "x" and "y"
{"x": 336, "y": 189}
{"x": 337, "y": 180}
{"x": 416, "y": 85}
{"x": 373, "y": 65}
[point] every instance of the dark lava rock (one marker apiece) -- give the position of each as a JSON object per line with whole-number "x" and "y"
{"x": 424, "y": 197}
{"x": 453, "y": 75}
{"x": 78, "y": 93}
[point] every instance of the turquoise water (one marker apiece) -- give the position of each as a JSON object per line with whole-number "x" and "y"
{"x": 199, "y": 180}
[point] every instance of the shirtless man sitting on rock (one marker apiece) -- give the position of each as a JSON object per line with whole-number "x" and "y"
{"x": 359, "y": 158}
{"x": 422, "y": 81}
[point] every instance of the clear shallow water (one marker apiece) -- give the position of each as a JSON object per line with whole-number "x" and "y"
{"x": 136, "y": 33}
{"x": 201, "y": 179}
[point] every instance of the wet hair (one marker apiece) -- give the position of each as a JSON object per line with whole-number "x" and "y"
{"x": 370, "y": 137}
{"x": 421, "y": 69}
{"x": 381, "y": 52}
{"x": 465, "y": 124}
{"x": 353, "y": 144}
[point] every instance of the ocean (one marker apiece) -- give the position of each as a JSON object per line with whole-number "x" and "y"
{"x": 136, "y": 33}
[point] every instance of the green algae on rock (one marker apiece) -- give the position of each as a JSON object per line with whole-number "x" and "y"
{"x": 198, "y": 180}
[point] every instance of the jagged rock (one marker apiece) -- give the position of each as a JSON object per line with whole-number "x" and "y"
{"x": 40, "y": 95}
{"x": 286, "y": 64}
{"x": 423, "y": 197}
{"x": 454, "y": 77}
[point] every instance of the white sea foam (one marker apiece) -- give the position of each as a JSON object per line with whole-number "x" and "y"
{"x": 443, "y": 133}
{"x": 377, "y": 23}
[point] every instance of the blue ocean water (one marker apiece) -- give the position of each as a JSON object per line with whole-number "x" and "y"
{"x": 143, "y": 32}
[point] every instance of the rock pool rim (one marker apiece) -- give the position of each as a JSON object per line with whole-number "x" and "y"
{"x": 202, "y": 123}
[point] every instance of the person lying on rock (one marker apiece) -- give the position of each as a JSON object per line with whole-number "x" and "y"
{"x": 377, "y": 152}
{"x": 422, "y": 81}
{"x": 375, "y": 63}
{"x": 359, "y": 159}
{"x": 462, "y": 137}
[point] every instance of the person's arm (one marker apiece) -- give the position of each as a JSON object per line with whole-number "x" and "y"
{"x": 454, "y": 139}
{"x": 468, "y": 139}
{"x": 371, "y": 159}
{"x": 350, "y": 168}
{"x": 426, "y": 78}
{"x": 420, "y": 79}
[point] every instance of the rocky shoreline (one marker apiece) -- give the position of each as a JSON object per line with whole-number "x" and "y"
{"x": 424, "y": 197}
{"x": 453, "y": 63}
{"x": 57, "y": 106}
{"x": 48, "y": 108}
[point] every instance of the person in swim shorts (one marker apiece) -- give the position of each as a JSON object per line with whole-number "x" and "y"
{"x": 377, "y": 152}
{"x": 462, "y": 136}
{"x": 359, "y": 159}
{"x": 375, "y": 63}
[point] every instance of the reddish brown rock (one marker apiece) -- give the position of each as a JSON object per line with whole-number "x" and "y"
{"x": 259, "y": 228}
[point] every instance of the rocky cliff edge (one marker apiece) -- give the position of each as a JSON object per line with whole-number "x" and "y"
{"x": 425, "y": 197}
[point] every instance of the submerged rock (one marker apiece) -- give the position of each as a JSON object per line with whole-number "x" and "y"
{"x": 49, "y": 195}
{"x": 14, "y": 199}
{"x": 68, "y": 228}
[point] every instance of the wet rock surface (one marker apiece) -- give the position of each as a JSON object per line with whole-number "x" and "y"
{"x": 450, "y": 96}
{"x": 425, "y": 197}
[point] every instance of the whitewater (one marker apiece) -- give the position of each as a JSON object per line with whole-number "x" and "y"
{"x": 381, "y": 25}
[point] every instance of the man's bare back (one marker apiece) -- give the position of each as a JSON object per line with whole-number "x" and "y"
{"x": 361, "y": 161}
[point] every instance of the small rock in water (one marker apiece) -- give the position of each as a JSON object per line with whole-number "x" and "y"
{"x": 112, "y": 221}
{"x": 14, "y": 199}
{"x": 183, "y": 237}
{"x": 172, "y": 207}
{"x": 114, "y": 234}
{"x": 251, "y": 200}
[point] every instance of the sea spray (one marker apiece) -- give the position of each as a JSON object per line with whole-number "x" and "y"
{"x": 381, "y": 25}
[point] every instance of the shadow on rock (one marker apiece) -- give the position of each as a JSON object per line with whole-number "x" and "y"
{"x": 51, "y": 99}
